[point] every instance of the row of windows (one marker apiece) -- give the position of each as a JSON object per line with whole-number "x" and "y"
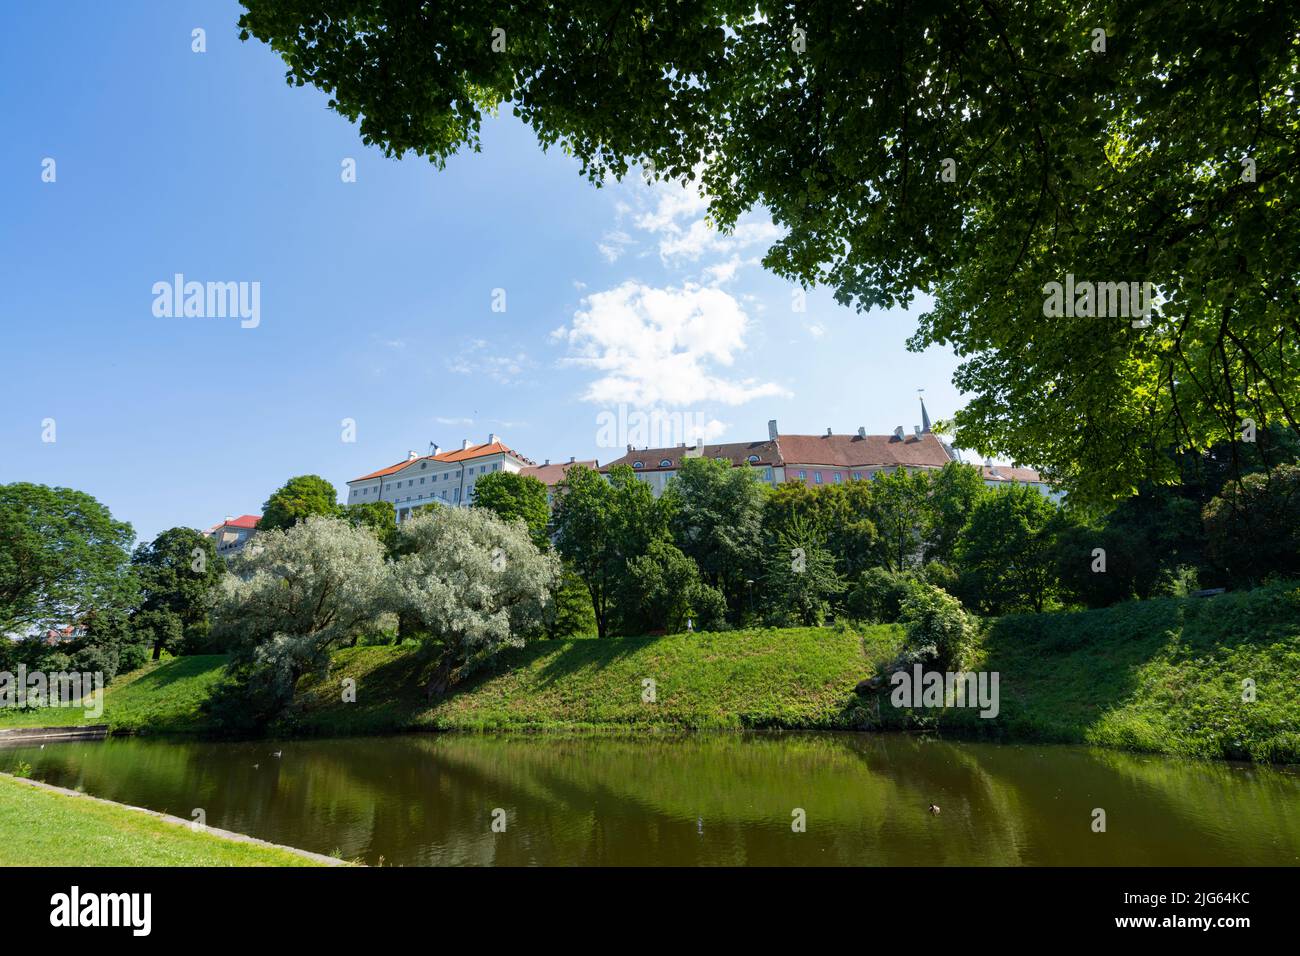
{"x": 835, "y": 475}
{"x": 446, "y": 475}
{"x": 668, "y": 462}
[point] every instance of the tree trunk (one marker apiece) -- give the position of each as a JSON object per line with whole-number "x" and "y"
{"x": 440, "y": 681}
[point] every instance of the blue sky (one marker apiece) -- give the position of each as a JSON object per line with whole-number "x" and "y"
{"x": 376, "y": 296}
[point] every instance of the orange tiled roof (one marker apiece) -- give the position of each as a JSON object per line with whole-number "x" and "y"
{"x": 448, "y": 457}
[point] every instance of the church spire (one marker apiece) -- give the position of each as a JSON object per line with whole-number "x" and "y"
{"x": 925, "y": 417}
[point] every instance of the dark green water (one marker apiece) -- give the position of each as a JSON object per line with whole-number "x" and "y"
{"x": 707, "y": 799}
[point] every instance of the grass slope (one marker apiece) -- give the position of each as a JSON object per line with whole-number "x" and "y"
{"x": 792, "y": 678}
{"x": 162, "y": 696}
{"x": 1164, "y": 675}
{"x": 43, "y": 828}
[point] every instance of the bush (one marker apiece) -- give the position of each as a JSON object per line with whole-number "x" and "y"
{"x": 878, "y": 595}
{"x": 710, "y": 608}
{"x": 1253, "y": 528}
{"x": 938, "y": 631}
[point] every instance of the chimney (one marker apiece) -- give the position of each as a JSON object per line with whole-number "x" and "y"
{"x": 572, "y": 459}
{"x": 629, "y": 447}
{"x": 917, "y": 429}
{"x": 547, "y": 462}
{"x": 862, "y": 432}
{"x": 411, "y": 455}
{"x": 988, "y": 462}
{"x": 464, "y": 444}
{"x": 898, "y": 433}
{"x": 828, "y": 432}
{"x": 492, "y": 438}
{"x": 771, "y": 430}
{"x": 681, "y": 444}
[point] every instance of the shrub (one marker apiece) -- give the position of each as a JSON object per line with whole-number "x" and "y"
{"x": 878, "y": 595}
{"x": 938, "y": 631}
{"x": 710, "y": 608}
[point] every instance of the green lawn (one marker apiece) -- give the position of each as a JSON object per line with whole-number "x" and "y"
{"x": 44, "y": 828}
{"x": 162, "y": 696}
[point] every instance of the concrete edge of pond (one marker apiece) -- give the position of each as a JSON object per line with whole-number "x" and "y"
{"x": 95, "y": 732}
{"x": 177, "y": 821}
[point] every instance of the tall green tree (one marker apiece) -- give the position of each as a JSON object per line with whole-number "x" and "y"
{"x": 515, "y": 497}
{"x": 716, "y": 518}
{"x": 839, "y": 515}
{"x": 297, "y": 499}
{"x": 976, "y": 153}
{"x": 62, "y": 555}
{"x": 178, "y": 573}
{"x": 661, "y": 589}
{"x": 1006, "y": 552}
{"x": 900, "y": 502}
{"x": 954, "y": 491}
{"x": 799, "y": 580}
{"x": 379, "y": 518}
{"x": 600, "y": 526}
{"x": 583, "y": 522}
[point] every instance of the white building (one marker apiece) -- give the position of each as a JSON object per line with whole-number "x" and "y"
{"x": 233, "y": 533}
{"x": 1001, "y": 476}
{"x": 440, "y": 478}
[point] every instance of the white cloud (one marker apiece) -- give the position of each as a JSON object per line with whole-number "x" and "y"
{"x": 661, "y": 346}
{"x": 478, "y": 358}
{"x": 614, "y": 243}
{"x": 454, "y": 421}
{"x": 675, "y": 215}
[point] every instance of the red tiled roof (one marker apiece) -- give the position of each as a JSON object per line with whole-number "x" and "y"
{"x": 844, "y": 451}
{"x": 855, "y": 451}
{"x": 243, "y": 521}
{"x": 738, "y": 453}
{"x": 460, "y": 454}
{"x": 552, "y": 475}
{"x": 1010, "y": 473}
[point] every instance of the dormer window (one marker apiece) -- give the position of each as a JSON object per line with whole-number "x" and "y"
{"x": 666, "y": 463}
{"x": 638, "y": 464}
{"x": 753, "y": 459}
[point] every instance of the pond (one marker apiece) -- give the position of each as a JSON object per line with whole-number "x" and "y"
{"x": 706, "y": 799}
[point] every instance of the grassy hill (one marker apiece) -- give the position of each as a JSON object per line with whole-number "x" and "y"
{"x": 162, "y": 696}
{"x": 766, "y": 678}
{"x": 1163, "y": 676}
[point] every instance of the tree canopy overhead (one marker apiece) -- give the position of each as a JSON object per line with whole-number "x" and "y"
{"x": 975, "y": 151}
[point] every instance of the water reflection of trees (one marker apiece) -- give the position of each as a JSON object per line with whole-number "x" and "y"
{"x": 702, "y": 799}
